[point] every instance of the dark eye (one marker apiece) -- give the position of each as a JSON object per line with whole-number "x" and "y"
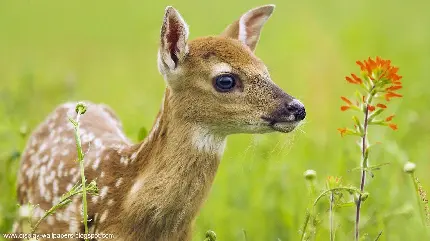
{"x": 224, "y": 83}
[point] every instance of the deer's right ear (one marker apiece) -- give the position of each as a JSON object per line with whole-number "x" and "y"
{"x": 173, "y": 40}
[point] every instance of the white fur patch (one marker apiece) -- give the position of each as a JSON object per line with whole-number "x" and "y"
{"x": 136, "y": 186}
{"x": 204, "y": 141}
{"x": 221, "y": 68}
{"x": 104, "y": 216}
{"x": 103, "y": 192}
{"x": 118, "y": 182}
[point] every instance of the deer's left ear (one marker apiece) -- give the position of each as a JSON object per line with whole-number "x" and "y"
{"x": 248, "y": 28}
{"x": 173, "y": 39}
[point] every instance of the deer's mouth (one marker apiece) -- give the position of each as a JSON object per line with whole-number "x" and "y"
{"x": 284, "y": 125}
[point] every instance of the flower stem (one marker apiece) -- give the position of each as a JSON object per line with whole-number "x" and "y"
{"x": 83, "y": 180}
{"x": 331, "y": 217}
{"x": 419, "y": 203}
{"x": 364, "y": 166}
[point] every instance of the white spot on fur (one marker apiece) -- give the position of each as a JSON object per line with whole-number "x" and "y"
{"x": 50, "y": 220}
{"x": 60, "y": 169}
{"x": 96, "y": 164}
{"x": 98, "y": 143}
{"x": 42, "y": 147}
{"x": 104, "y": 216}
{"x": 103, "y": 192}
{"x": 73, "y": 227}
{"x": 123, "y": 160}
{"x": 118, "y": 182}
{"x": 55, "y": 186}
{"x": 72, "y": 171}
{"x": 136, "y": 186}
{"x": 65, "y": 152}
{"x": 110, "y": 202}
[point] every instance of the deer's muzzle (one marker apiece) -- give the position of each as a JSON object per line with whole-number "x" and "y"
{"x": 287, "y": 116}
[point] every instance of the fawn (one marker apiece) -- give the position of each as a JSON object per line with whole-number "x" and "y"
{"x": 152, "y": 191}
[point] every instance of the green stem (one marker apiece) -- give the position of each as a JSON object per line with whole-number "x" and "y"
{"x": 331, "y": 217}
{"x": 417, "y": 191}
{"x": 364, "y": 162}
{"x": 82, "y": 169}
{"x": 66, "y": 199}
{"x": 305, "y": 225}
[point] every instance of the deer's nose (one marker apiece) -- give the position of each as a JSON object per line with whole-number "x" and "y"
{"x": 297, "y": 109}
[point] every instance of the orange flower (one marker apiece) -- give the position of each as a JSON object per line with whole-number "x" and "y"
{"x": 393, "y": 126}
{"x": 370, "y": 108}
{"x": 342, "y": 131}
{"x": 382, "y": 106}
{"x": 380, "y": 67}
{"x": 389, "y": 118}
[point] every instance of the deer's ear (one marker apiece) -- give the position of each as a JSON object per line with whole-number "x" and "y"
{"x": 173, "y": 39}
{"x": 248, "y": 28}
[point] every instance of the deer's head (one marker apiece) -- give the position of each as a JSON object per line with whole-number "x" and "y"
{"x": 217, "y": 81}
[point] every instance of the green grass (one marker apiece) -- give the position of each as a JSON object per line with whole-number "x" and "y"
{"x": 108, "y": 49}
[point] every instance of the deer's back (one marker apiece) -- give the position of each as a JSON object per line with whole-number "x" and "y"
{"x": 49, "y": 167}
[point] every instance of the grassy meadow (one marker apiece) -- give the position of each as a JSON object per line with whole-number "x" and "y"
{"x": 105, "y": 51}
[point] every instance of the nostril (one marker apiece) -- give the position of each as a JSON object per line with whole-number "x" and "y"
{"x": 292, "y": 108}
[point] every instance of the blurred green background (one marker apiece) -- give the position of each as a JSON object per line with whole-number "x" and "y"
{"x": 105, "y": 51}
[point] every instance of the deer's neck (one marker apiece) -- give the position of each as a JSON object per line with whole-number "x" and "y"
{"x": 177, "y": 164}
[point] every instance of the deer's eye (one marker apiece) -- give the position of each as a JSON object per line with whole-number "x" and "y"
{"x": 225, "y": 82}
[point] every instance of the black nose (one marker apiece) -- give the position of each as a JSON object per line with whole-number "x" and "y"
{"x": 297, "y": 109}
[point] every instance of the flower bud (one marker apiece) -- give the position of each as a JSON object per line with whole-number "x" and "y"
{"x": 23, "y": 130}
{"x": 81, "y": 108}
{"x": 310, "y": 175}
{"x": 409, "y": 167}
{"x": 25, "y": 211}
{"x": 364, "y": 196}
{"x": 210, "y": 235}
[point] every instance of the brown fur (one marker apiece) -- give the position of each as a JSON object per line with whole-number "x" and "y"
{"x": 152, "y": 191}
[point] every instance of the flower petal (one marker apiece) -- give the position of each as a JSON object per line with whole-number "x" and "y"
{"x": 344, "y": 107}
{"x": 382, "y": 106}
{"x": 389, "y": 118}
{"x": 362, "y": 67}
{"x": 342, "y": 131}
{"x": 390, "y": 95}
{"x": 394, "y": 88}
{"x": 346, "y": 100}
{"x": 357, "y": 80}
{"x": 393, "y": 126}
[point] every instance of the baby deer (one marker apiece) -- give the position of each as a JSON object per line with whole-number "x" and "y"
{"x": 153, "y": 190}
